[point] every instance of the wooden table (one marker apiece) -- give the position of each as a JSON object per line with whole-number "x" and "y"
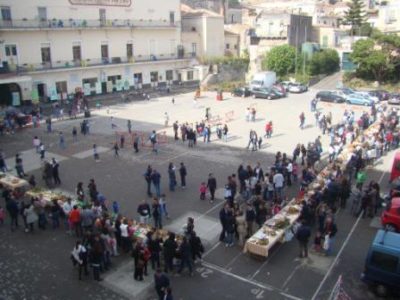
{"x": 12, "y": 182}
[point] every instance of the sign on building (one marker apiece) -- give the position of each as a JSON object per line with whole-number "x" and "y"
{"x": 120, "y": 3}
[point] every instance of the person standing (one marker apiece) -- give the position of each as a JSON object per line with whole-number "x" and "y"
{"x": 136, "y": 140}
{"x": 56, "y": 176}
{"x": 302, "y": 120}
{"x": 95, "y": 153}
{"x": 12, "y": 208}
{"x": 225, "y": 133}
{"x": 330, "y": 231}
{"x": 222, "y": 219}
{"x": 169, "y": 251}
{"x": 156, "y": 214}
{"x": 80, "y": 257}
{"x": 74, "y": 135}
{"x": 186, "y": 256}
{"x": 278, "y": 180}
{"x": 212, "y": 186}
{"x": 183, "y": 173}
{"x": 19, "y": 166}
{"x": 156, "y": 180}
{"x": 116, "y": 149}
{"x": 129, "y": 126}
{"x": 153, "y": 141}
{"x": 36, "y": 144}
{"x": 161, "y": 282}
{"x": 144, "y": 212}
{"x": 147, "y": 177}
{"x": 250, "y": 219}
{"x": 303, "y": 235}
{"x": 61, "y": 140}
{"x": 171, "y": 177}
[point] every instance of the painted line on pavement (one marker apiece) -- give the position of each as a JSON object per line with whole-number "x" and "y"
{"x": 234, "y": 259}
{"x": 264, "y": 263}
{"x": 211, "y": 249}
{"x": 249, "y": 281}
{"x": 291, "y": 276}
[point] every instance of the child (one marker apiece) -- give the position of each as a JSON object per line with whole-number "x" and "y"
{"x": 317, "y": 242}
{"x": 203, "y": 190}
{"x": 115, "y": 209}
{"x": 1, "y": 215}
{"x": 295, "y": 171}
{"x": 95, "y": 154}
{"x": 163, "y": 206}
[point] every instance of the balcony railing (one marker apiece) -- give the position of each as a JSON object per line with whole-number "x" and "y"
{"x": 65, "y": 64}
{"x": 81, "y": 23}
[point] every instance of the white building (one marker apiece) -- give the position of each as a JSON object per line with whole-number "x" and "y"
{"x": 50, "y": 48}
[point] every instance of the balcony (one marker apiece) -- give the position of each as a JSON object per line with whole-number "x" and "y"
{"x": 96, "y": 62}
{"x": 60, "y": 24}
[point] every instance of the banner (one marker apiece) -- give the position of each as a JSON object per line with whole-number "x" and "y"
{"x": 35, "y": 95}
{"x": 126, "y": 85}
{"x": 98, "y": 88}
{"x": 53, "y": 93}
{"x": 119, "y": 85}
{"x": 86, "y": 89}
{"x": 16, "y": 99}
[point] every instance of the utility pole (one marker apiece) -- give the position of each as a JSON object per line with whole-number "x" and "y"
{"x": 297, "y": 50}
{"x": 304, "y": 54}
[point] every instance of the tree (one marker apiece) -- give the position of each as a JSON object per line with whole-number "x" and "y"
{"x": 324, "y": 62}
{"x": 280, "y": 59}
{"x": 377, "y": 58}
{"x": 355, "y": 16}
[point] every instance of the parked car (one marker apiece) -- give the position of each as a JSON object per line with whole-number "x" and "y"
{"x": 263, "y": 80}
{"x": 280, "y": 88}
{"x": 329, "y": 96}
{"x": 241, "y": 92}
{"x": 266, "y": 93}
{"x": 382, "y": 265}
{"x": 358, "y": 99}
{"x": 286, "y": 84}
{"x": 394, "y": 99}
{"x": 390, "y": 218}
{"x": 381, "y": 94}
{"x": 296, "y": 87}
{"x": 369, "y": 96}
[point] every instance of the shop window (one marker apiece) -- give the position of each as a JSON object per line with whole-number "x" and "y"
{"x": 153, "y": 76}
{"x": 169, "y": 75}
{"x": 190, "y": 75}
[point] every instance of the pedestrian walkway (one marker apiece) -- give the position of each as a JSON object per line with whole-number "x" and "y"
{"x": 88, "y": 153}
{"x": 31, "y": 160}
{"x": 121, "y": 281}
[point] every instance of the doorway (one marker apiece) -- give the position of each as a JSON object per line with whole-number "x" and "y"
{"x": 42, "y": 92}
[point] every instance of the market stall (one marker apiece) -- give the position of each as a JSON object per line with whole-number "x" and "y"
{"x": 274, "y": 229}
{"x": 17, "y": 185}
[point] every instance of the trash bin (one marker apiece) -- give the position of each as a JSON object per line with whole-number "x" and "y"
{"x": 219, "y": 96}
{"x": 87, "y": 113}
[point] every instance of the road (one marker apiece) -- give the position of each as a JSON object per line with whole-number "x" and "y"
{"x": 38, "y": 265}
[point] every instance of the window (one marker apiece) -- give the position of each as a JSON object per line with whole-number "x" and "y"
{"x": 6, "y": 13}
{"x": 194, "y": 49}
{"x": 11, "y": 50}
{"x": 384, "y": 261}
{"x": 46, "y": 53}
{"x": 104, "y": 52}
{"x": 129, "y": 50}
{"x": 102, "y": 16}
{"x": 169, "y": 75}
{"x": 154, "y": 76}
{"x": 61, "y": 87}
{"x": 42, "y": 13}
{"x": 76, "y": 52}
{"x": 235, "y": 46}
{"x": 137, "y": 78}
{"x": 190, "y": 75}
{"x": 227, "y": 46}
{"x": 172, "y": 17}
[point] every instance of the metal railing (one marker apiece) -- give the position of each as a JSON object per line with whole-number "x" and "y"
{"x": 83, "y": 63}
{"x": 82, "y": 23}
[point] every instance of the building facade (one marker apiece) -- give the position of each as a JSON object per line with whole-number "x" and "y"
{"x": 52, "y": 48}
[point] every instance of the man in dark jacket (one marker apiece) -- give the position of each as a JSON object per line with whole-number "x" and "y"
{"x": 12, "y": 208}
{"x": 186, "y": 256}
{"x": 161, "y": 281}
{"x": 147, "y": 177}
{"x": 303, "y": 235}
{"x": 169, "y": 252}
{"x": 222, "y": 218}
{"x": 212, "y": 186}
{"x": 183, "y": 173}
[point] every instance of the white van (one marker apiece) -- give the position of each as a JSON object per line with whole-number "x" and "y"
{"x": 263, "y": 80}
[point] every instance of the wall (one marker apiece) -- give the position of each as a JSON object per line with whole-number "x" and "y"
{"x": 190, "y": 37}
{"x": 62, "y": 9}
{"x": 233, "y": 41}
{"x": 29, "y": 43}
{"x": 214, "y": 36}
